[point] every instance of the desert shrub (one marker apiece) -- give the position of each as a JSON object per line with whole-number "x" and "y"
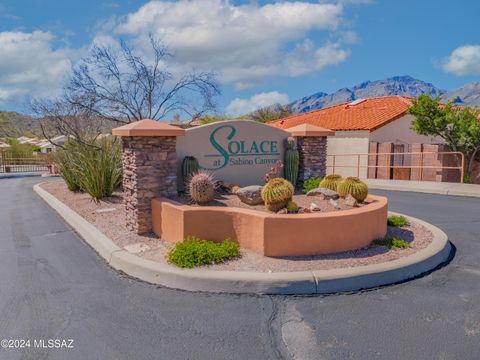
{"x": 94, "y": 168}
{"x": 67, "y": 170}
{"x": 397, "y": 220}
{"x": 195, "y": 252}
{"x": 17, "y": 150}
{"x": 311, "y": 184}
{"x": 392, "y": 242}
{"x": 101, "y": 169}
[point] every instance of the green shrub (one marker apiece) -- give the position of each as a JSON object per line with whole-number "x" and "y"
{"x": 467, "y": 179}
{"x": 311, "y": 184}
{"x": 196, "y": 252}
{"x": 100, "y": 170}
{"x": 95, "y": 169}
{"x": 397, "y": 221}
{"x": 392, "y": 243}
{"x": 66, "y": 168}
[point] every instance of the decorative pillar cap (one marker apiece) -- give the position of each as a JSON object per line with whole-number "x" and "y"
{"x": 148, "y": 127}
{"x": 309, "y": 130}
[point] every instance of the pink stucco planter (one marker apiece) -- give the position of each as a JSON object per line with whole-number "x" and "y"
{"x": 272, "y": 234}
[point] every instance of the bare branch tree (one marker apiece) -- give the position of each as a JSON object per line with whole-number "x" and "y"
{"x": 121, "y": 86}
{"x": 61, "y": 118}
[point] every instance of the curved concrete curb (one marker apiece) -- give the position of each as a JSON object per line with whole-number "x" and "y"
{"x": 298, "y": 282}
{"x": 426, "y": 187}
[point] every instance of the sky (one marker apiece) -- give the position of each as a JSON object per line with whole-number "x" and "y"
{"x": 263, "y": 52}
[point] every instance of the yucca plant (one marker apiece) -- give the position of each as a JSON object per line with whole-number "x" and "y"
{"x": 99, "y": 169}
{"x": 66, "y": 168}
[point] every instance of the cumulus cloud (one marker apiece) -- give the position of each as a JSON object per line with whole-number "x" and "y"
{"x": 243, "y": 43}
{"x": 243, "y": 106}
{"x": 464, "y": 60}
{"x": 29, "y": 65}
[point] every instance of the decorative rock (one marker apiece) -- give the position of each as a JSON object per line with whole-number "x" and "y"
{"x": 233, "y": 188}
{"x": 326, "y": 193}
{"x": 351, "y": 201}
{"x": 101, "y": 211}
{"x": 315, "y": 192}
{"x": 250, "y": 195}
{"x": 282, "y": 211}
{"x": 329, "y": 194}
{"x": 314, "y": 207}
{"x": 334, "y": 204}
{"x": 303, "y": 210}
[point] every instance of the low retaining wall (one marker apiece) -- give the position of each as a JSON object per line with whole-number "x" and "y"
{"x": 272, "y": 234}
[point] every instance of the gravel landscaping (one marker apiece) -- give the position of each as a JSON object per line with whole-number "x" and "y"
{"x": 108, "y": 216}
{"x": 301, "y": 200}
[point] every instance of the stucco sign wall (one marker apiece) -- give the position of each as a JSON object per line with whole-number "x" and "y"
{"x": 238, "y": 151}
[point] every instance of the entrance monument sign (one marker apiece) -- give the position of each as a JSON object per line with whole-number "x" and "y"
{"x": 238, "y": 151}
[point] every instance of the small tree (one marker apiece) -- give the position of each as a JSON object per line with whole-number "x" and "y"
{"x": 459, "y": 127}
{"x": 270, "y": 113}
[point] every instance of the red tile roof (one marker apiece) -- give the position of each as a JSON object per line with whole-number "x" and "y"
{"x": 367, "y": 114}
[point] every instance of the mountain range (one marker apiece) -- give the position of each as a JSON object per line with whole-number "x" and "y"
{"x": 467, "y": 95}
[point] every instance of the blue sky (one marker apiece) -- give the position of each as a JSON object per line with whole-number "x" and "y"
{"x": 264, "y": 51}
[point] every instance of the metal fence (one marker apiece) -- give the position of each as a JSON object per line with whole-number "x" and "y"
{"x": 24, "y": 162}
{"x": 399, "y": 165}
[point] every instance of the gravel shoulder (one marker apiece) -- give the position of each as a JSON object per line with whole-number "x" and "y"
{"x": 108, "y": 216}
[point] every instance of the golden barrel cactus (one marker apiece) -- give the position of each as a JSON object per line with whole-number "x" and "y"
{"x": 353, "y": 186}
{"x": 331, "y": 181}
{"x": 277, "y": 193}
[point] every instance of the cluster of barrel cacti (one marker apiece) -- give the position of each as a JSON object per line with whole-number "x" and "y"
{"x": 201, "y": 187}
{"x": 353, "y": 186}
{"x": 277, "y": 193}
{"x": 189, "y": 167}
{"x": 292, "y": 160}
{"x": 331, "y": 181}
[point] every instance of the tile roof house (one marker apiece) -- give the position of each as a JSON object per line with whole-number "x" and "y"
{"x": 357, "y": 123}
{"x": 362, "y": 114}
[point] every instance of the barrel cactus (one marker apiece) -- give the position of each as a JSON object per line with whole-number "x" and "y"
{"x": 201, "y": 188}
{"x": 292, "y": 207}
{"x": 292, "y": 160}
{"x": 189, "y": 167}
{"x": 277, "y": 193}
{"x": 353, "y": 186}
{"x": 331, "y": 181}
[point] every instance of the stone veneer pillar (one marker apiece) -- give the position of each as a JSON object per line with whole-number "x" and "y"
{"x": 149, "y": 168}
{"x": 312, "y": 148}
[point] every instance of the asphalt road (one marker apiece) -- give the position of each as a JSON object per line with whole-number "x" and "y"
{"x": 53, "y": 286}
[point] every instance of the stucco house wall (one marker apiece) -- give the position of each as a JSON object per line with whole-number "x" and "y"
{"x": 347, "y": 142}
{"x": 399, "y": 131}
{"x": 356, "y": 142}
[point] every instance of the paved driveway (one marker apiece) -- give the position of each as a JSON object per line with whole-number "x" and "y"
{"x": 53, "y": 286}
